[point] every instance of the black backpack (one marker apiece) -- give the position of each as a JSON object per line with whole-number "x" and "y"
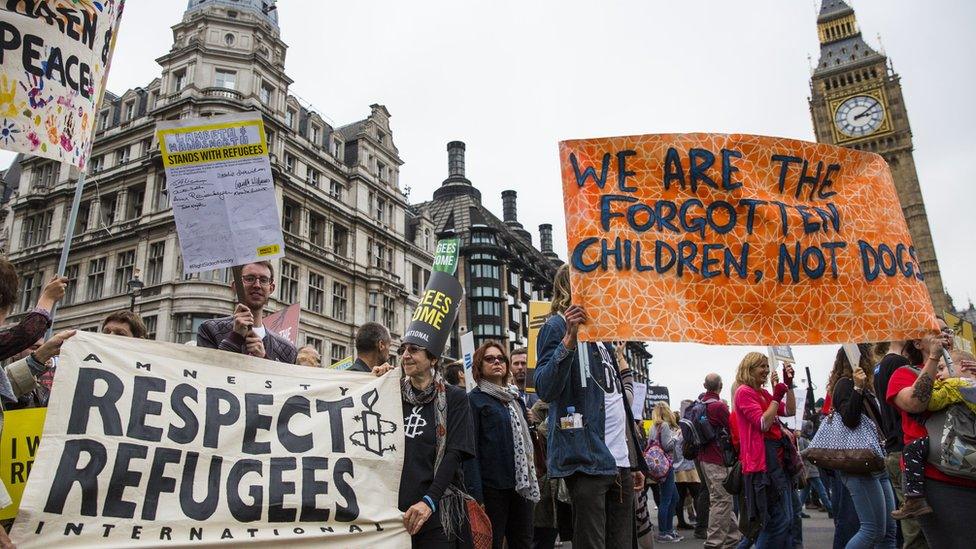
{"x": 696, "y": 430}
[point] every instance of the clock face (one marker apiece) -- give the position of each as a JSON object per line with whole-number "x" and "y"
{"x": 859, "y": 116}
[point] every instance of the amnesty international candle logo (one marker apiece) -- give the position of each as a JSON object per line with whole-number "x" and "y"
{"x": 373, "y": 427}
{"x": 432, "y": 320}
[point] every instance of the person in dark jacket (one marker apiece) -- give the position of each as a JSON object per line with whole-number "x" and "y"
{"x": 503, "y": 477}
{"x": 372, "y": 347}
{"x": 592, "y": 433}
{"x": 852, "y": 393}
{"x": 243, "y": 332}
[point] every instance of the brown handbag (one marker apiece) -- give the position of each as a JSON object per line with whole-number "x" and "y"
{"x": 480, "y": 525}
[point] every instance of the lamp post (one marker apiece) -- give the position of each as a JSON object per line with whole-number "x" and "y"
{"x": 135, "y": 289}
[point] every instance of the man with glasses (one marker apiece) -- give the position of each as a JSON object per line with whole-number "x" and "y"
{"x": 243, "y": 332}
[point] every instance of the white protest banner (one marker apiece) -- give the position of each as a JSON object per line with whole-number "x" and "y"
{"x": 53, "y": 61}
{"x": 467, "y": 358}
{"x": 853, "y": 354}
{"x": 150, "y": 443}
{"x": 219, "y": 180}
{"x": 640, "y": 396}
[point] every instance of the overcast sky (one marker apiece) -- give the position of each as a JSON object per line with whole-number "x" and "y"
{"x": 513, "y": 78}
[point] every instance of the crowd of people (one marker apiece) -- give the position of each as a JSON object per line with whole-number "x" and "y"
{"x": 496, "y": 465}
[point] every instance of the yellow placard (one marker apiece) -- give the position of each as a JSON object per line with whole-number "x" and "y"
{"x": 268, "y": 250}
{"x": 18, "y": 444}
{"x": 964, "y": 335}
{"x": 211, "y": 133}
{"x": 538, "y": 313}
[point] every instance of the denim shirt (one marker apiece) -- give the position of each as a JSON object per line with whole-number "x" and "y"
{"x": 557, "y": 381}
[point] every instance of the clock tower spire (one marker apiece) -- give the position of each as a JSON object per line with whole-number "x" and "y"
{"x": 856, "y": 101}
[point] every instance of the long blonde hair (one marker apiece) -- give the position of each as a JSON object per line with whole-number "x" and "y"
{"x": 662, "y": 414}
{"x": 562, "y": 295}
{"x": 744, "y": 376}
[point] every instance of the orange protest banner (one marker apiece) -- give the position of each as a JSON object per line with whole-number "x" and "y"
{"x": 738, "y": 239}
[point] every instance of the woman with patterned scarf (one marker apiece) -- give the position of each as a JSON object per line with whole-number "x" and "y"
{"x": 437, "y": 430}
{"x": 503, "y": 477}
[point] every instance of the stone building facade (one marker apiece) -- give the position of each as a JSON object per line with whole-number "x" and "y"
{"x": 355, "y": 251}
{"x": 856, "y": 101}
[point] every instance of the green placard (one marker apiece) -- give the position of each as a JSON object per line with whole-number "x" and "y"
{"x": 446, "y": 255}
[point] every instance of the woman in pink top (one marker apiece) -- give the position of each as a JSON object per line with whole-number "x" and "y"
{"x": 767, "y": 484}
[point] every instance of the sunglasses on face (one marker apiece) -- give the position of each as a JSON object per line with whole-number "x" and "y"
{"x": 494, "y": 359}
{"x": 410, "y": 349}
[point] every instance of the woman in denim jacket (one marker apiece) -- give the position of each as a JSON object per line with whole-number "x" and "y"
{"x": 592, "y": 432}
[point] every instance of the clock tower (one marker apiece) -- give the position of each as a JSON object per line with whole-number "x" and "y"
{"x": 856, "y": 102}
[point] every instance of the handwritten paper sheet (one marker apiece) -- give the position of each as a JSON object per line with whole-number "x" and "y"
{"x": 219, "y": 181}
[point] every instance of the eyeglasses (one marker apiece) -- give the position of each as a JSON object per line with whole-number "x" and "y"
{"x": 251, "y": 279}
{"x": 496, "y": 359}
{"x": 410, "y": 349}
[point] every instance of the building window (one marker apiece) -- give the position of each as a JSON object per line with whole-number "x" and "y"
{"x": 487, "y": 308}
{"x": 36, "y": 229}
{"x": 335, "y": 189}
{"x": 84, "y": 213}
{"x": 416, "y": 279}
{"x": 340, "y": 240}
{"x": 161, "y": 200}
{"x": 134, "y": 205}
{"x": 122, "y": 156}
{"x": 289, "y": 218}
{"x": 154, "y": 265}
{"x": 481, "y": 270}
{"x": 290, "y": 118}
{"x": 179, "y": 80}
{"x": 381, "y": 171}
{"x": 381, "y": 137}
{"x": 103, "y": 120}
{"x": 381, "y": 210}
{"x": 339, "y": 300}
{"x": 481, "y": 237}
{"x": 389, "y": 312}
{"x": 96, "y": 278}
{"x": 289, "y": 163}
{"x": 224, "y": 78}
{"x": 29, "y": 290}
{"x": 485, "y": 291}
{"x": 312, "y": 176}
{"x": 336, "y": 148}
{"x": 46, "y": 176}
{"x": 373, "y": 307}
{"x": 108, "y": 204}
{"x": 130, "y": 111}
{"x": 150, "y": 323}
{"x": 427, "y": 239}
{"x": 267, "y": 95}
{"x": 289, "y": 282}
{"x": 316, "y": 230}
{"x": 96, "y": 164}
{"x": 124, "y": 263}
{"x": 313, "y": 133}
{"x": 188, "y": 324}
{"x": 338, "y": 353}
{"x": 314, "y": 343}
{"x": 147, "y": 146}
{"x": 71, "y": 288}
{"x": 316, "y": 292}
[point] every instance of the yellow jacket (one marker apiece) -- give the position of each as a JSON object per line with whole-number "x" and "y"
{"x": 953, "y": 391}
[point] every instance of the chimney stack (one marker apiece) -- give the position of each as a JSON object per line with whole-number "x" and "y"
{"x": 455, "y": 159}
{"x": 509, "y": 213}
{"x": 545, "y": 238}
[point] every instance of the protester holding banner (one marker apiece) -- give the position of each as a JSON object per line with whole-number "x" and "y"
{"x": 504, "y": 476}
{"x": 16, "y": 339}
{"x": 766, "y": 483}
{"x": 852, "y": 392}
{"x": 372, "y": 347}
{"x": 124, "y": 323}
{"x": 592, "y": 434}
{"x": 243, "y": 332}
{"x": 951, "y": 497}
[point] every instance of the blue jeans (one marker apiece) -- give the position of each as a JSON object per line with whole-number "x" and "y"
{"x": 846, "y": 522}
{"x": 668, "y": 505}
{"x": 796, "y": 527}
{"x": 874, "y": 500}
{"x": 776, "y": 533}
{"x": 817, "y": 485}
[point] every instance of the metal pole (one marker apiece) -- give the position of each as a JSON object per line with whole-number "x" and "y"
{"x": 69, "y": 235}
